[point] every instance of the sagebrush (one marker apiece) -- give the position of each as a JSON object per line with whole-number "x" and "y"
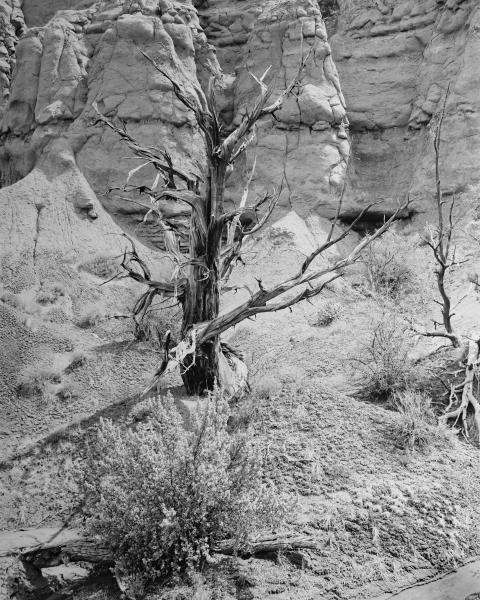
{"x": 418, "y": 427}
{"x": 162, "y": 495}
{"x": 389, "y": 267}
{"x": 384, "y": 364}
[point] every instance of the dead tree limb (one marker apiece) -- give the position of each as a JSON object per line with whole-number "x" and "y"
{"x": 26, "y": 582}
{"x": 440, "y": 241}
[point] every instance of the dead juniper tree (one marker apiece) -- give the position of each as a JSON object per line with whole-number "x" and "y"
{"x": 463, "y": 407}
{"x": 440, "y": 240}
{"x": 215, "y": 237}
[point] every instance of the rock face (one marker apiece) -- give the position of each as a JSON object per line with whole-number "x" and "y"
{"x": 396, "y": 61}
{"x": 91, "y": 54}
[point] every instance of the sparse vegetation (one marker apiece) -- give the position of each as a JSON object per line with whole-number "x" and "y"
{"x": 327, "y": 313}
{"x": 78, "y": 359}
{"x": 418, "y": 427}
{"x": 102, "y": 266}
{"x": 383, "y": 363}
{"x": 91, "y": 316}
{"x": 154, "y": 324}
{"x": 388, "y": 267}
{"x": 162, "y": 496}
{"x": 68, "y": 390}
{"x": 9, "y": 298}
{"x": 50, "y": 292}
{"x": 267, "y": 386}
{"x": 33, "y": 380}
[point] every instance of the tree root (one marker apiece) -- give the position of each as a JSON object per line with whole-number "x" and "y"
{"x": 463, "y": 395}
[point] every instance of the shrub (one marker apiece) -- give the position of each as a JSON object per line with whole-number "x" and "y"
{"x": 91, "y": 316}
{"x": 153, "y": 326}
{"x": 161, "y": 496}
{"x": 328, "y": 312}
{"x": 267, "y": 386}
{"x": 10, "y": 298}
{"x": 384, "y": 366}
{"x": 50, "y": 292}
{"x": 33, "y": 380}
{"x": 388, "y": 267}
{"x": 418, "y": 427}
{"x": 104, "y": 267}
{"x": 78, "y": 359}
{"x": 68, "y": 390}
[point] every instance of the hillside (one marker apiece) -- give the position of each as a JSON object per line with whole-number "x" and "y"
{"x": 360, "y": 125}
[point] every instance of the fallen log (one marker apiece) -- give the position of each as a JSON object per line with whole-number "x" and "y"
{"x": 78, "y": 549}
{"x": 267, "y": 545}
{"x": 26, "y": 581}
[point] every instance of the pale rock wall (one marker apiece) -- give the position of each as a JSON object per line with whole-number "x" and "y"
{"x": 12, "y": 26}
{"x": 396, "y": 60}
{"x": 305, "y": 148}
{"x": 91, "y": 54}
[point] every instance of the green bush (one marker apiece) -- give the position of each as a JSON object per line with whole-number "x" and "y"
{"x": 162, "y": 495}
{"x": 418, "y": 427}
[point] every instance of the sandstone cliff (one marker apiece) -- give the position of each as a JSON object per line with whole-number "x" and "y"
{"x": 396, "y": 61}
{"x": 91, "y": 54}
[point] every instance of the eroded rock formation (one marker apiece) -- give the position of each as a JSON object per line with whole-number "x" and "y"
{"x": 396, "y": 61}
{"x": 91, "y": 54}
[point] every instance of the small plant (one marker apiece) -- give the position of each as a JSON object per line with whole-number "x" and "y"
{"x": 328, "y": 312}
{"x": 78, "y": 359}
{"x": 50, "y": 292}
{"x": 388, "y": 268}
{"x": 418, "y": 427}
{"x": 102, "y": 266}
{"x": 34, "y": 380}
{"x": 68, "y": 390}
{"x": 92, "y": 315}
{"x": 385, "y": 367}
{"x": 153, "y": 326}
{"x": 10, "y": 298}
{"x": 162, "y": 496}
{"x": 267, "y": 386}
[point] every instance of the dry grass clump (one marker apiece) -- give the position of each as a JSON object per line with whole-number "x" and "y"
{"x": 51, "y": 292}
{"x": 10, "y": 298}
{"x": 153, "y": 326}
{"x": 389, "y": 269}
{"x": 92, "y": 315}
{"x": 418, "y": 427}
{"x": 384, "y": 365}
{"x": 68, "y": 390}
{"x": 33, "y": 380}
{"x": 102, "y": 266}
{"x": 267, "y": 386}
{"x": 327, "y": 313}
{"x": 161, "y": 496}
{"x": 78, "y": 359}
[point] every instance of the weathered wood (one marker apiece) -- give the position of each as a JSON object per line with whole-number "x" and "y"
{"x": 26, "y": 582}
{"x": 268, "y": 545}
{"x": 78, "y": 549}
{"x": 464, "y": 393}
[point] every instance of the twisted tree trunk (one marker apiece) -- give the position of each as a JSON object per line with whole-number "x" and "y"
{"x": 200, "y": 370}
